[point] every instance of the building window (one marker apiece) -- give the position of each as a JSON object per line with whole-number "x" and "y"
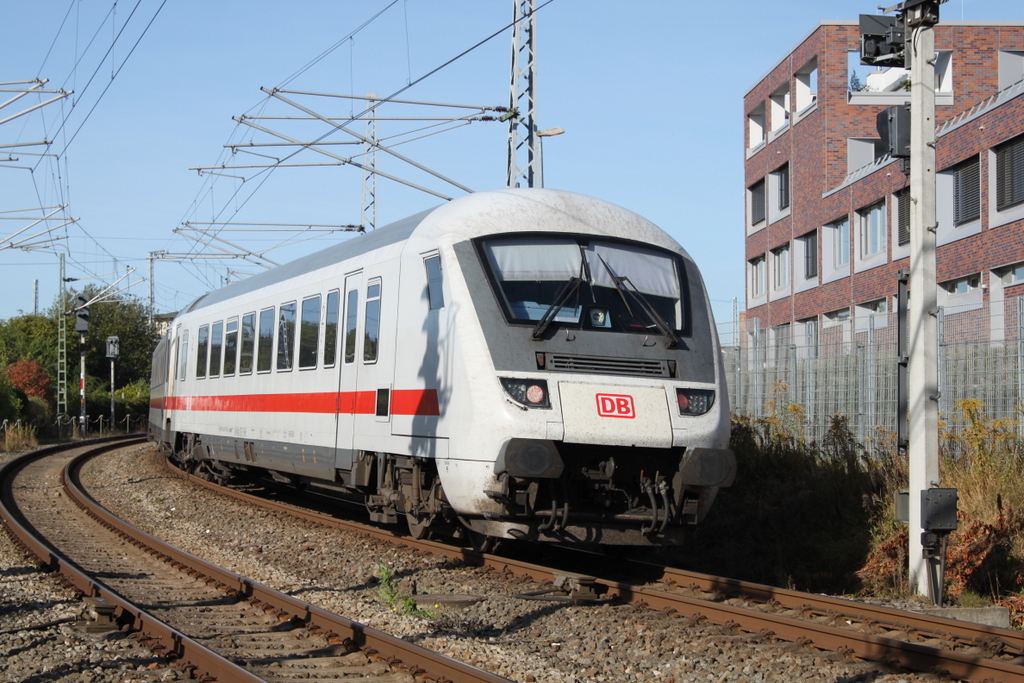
{"x": 755, "y": 127}
{"x": 809, "y": 331}
{"x": 757, "y": 277}
{"x": 782, "y": 181}
{"x": 1010, "y": 174}
{"x": 966, "y": 192}
{"x": 837, "y": 316}
{"x": 872, "y": 229}
{"x": 806, "y": 82}
{"x": 903, "y": 217}
{"x": 1011, "y": 68}
{"x": 780, "y": 108}
{"x": 963, "y": 285}
{"x": 809, "y": 242}
{"x": 840, "y": 243}
{"x": 757, "y": 202}
{"x": 1013, "y": 275}
{"x": 861, "y": 152}
{"x": 780, "y": 268}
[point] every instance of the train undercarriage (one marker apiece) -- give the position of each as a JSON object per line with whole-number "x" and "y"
{"x": 600, "y": 494}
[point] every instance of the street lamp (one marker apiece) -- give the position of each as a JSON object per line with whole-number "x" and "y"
{"x": 541, "y": 134}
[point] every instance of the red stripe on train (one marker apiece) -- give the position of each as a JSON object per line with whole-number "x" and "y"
{"x": 421, "y": 402}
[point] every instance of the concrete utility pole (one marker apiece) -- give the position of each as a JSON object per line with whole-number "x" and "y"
{"x": 923, "y": 407}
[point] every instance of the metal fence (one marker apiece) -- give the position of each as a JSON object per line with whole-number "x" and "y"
{"x": 848, "y": 365}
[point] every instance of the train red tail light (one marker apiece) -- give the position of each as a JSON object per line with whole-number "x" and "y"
{"x": 695, "y": 401}
{"x": 532, "y": 393}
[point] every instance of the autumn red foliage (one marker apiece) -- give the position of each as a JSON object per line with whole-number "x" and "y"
{"x": 29, "y": 377}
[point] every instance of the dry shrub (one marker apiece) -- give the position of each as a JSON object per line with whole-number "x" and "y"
{"x": 985, "y": 555}
{"x": 19, "y": 437}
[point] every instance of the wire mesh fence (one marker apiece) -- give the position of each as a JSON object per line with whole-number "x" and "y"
{"x": 848, "y": 365}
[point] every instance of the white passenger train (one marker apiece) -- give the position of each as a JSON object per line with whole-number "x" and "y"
{"x": 528, "y": 364}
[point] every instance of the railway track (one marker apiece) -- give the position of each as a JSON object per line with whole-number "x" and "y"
{"x": 217, "y": 624}
{"x": 912, "y": 641}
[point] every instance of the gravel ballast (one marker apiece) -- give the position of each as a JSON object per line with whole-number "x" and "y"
{"x": 339, "y": 571}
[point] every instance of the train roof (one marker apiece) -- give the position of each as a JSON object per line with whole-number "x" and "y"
{"x": 480, "y": 213}
{"x": 358, "y": 245}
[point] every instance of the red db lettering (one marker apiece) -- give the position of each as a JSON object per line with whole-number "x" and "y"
{"x": 616, "y": 405}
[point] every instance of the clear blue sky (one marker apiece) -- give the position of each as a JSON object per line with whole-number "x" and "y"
{"x": 648, "y": 92}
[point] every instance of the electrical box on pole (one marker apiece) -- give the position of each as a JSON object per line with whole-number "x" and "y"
{"x": 893, "y": 126}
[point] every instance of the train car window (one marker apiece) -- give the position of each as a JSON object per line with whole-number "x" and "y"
{"x": 183, "y": 358}
{"x": 435, "y": 296}
{"x": 265, "y": 350}
{"x": 309, "y": 332}
{"x": 617, "y": 286}
{"x": 201, "y": 348}
{"x": 230, "y": 347}
{"x": 351, "y": 319}
{"x": 371, "y": 324}
{"x": 286, "y": 336}
{"x": 216, "y": 339}
{"x": 248, "y": 344}
{"x": 331, "y": 329}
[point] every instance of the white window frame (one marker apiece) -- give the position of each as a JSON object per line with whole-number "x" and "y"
{"x": 753, "y": 226}
{"x": 969, "y": 299}
{"x": 832, "y": 247}
{"x": 756, "y": 129}
{"x": 878, "y": 309}
{"x": 757, "y": 280}
{"x": 805, "y": 83}
{"x": 773, "y": 187}
{"x": 780, "y": 271}
{"x": 871, "y": 236}
{"x": 1011, "y": 68}
{"x": 801, "y": 280}
{"x": 780, "y": 111}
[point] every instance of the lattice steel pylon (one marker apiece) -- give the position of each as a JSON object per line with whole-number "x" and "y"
{"x": 62, "y": 347}
{"x": 524, "y": 159}
{"x": 369, "y": 212}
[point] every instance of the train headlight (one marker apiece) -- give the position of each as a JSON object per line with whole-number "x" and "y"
{"x": 532, "y": 393}
{"x": 695, "y": 401}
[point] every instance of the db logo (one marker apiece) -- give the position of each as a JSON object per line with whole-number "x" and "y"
{"x": 615, "y": 405}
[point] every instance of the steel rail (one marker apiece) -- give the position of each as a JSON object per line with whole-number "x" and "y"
{"x": 914, "y": 656}
{"x": 418, "y": 659}
{"x": 172, "y": 644}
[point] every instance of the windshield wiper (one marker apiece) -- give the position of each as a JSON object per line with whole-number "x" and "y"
{"x": 570, "y": 288}
{"x": 652, "y": 315}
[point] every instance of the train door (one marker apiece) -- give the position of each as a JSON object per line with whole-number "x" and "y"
{"x": 347, "y": 387}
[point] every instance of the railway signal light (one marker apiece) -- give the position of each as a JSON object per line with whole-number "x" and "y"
{"x": 82, "y": 315}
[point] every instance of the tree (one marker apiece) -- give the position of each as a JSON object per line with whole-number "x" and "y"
{"x": 28, "y": 376}
{"x": 10, "y": 404}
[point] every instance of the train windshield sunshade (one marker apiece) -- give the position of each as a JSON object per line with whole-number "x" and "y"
{"x": 594, "y": 284}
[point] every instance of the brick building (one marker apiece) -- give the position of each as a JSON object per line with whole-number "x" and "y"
{"x": 827, "y": 216}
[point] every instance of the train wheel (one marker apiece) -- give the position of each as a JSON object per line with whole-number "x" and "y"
{"x": 419, "y": 525}
{"x": 482, "y": 543}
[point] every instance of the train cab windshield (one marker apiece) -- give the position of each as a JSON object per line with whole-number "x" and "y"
{"x": 603, "y": 285}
